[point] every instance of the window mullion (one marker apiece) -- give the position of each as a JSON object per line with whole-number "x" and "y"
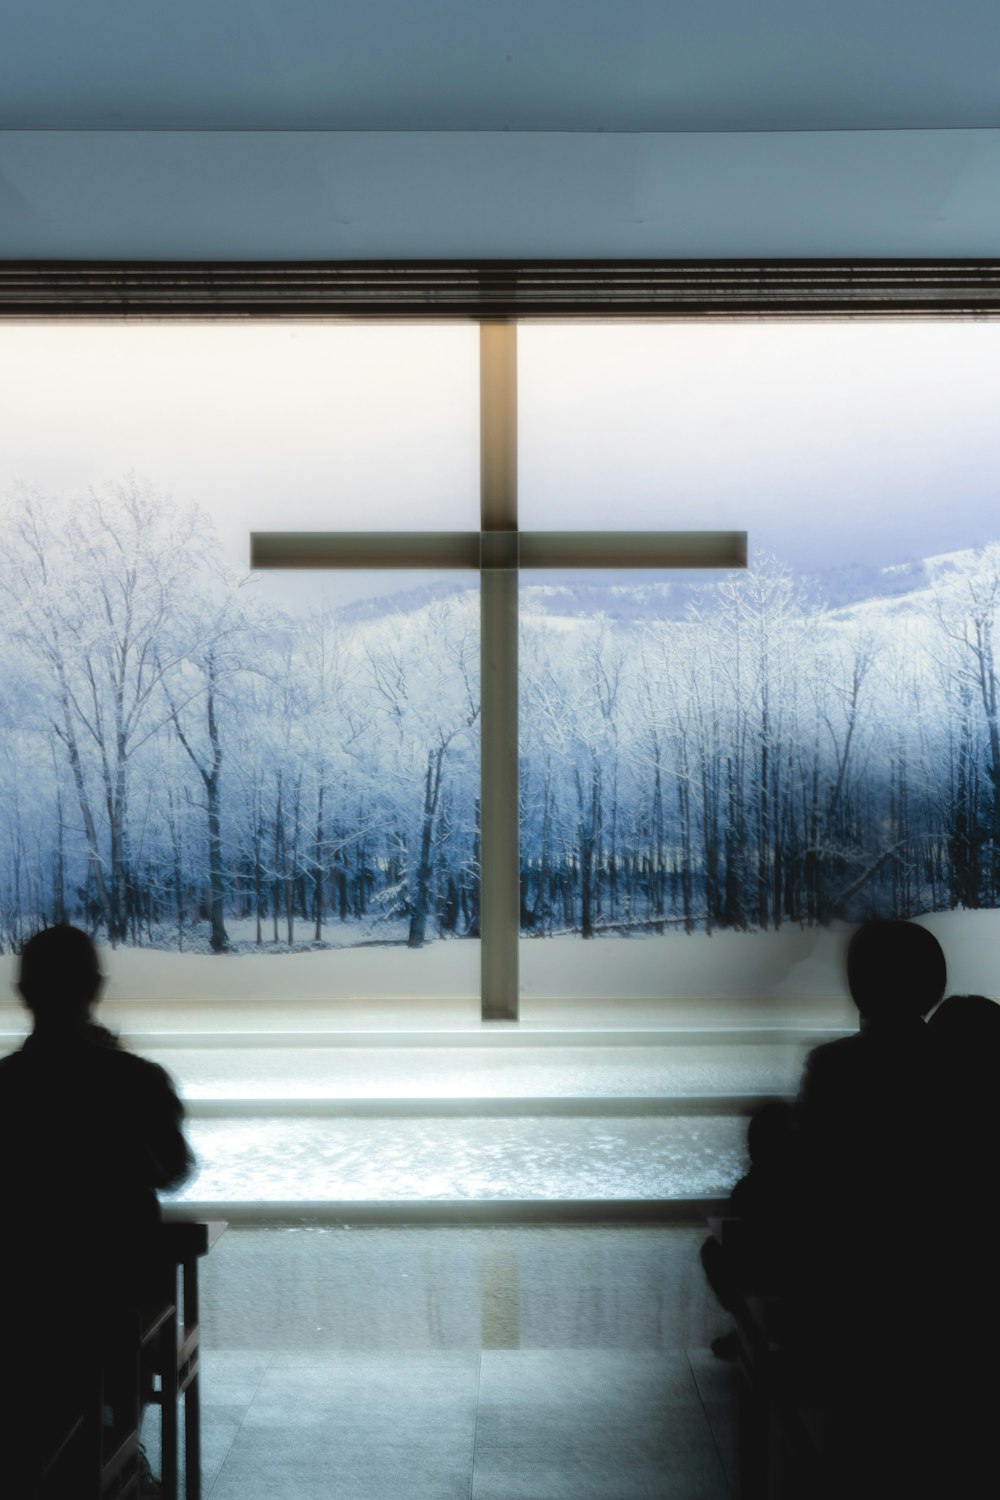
{"x": 499, "y": 892}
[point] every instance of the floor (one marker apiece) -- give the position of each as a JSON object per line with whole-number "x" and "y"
{"x": 486, "y": 1363}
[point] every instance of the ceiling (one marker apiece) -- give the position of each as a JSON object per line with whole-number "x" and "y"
{"x": 539, "y": 65}
{"x": 414, "y": 128}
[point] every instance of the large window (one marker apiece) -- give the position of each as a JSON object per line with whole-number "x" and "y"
{"x": 716, "y": 771}
{"x": 206, "y": 767}
{"x": 272, "y": 784}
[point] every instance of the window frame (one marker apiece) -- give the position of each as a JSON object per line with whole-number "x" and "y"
{"x": 500, "y": 293}
{"x": 498, "y": 290}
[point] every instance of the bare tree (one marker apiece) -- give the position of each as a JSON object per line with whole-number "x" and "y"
{"x": 98, "y": 591}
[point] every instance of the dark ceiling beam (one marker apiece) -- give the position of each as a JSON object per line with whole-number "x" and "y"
{"x": 501, "y": 289}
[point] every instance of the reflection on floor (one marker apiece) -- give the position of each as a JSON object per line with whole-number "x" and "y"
{"x": 507, "y": 1363}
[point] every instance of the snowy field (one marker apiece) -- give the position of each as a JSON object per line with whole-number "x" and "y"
{"x": 792, "y": 964}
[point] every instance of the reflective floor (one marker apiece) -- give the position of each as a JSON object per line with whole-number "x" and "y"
{"x": 556, "y": 1363}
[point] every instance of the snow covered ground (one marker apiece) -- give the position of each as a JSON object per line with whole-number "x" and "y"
{"x": 788, "y": 965}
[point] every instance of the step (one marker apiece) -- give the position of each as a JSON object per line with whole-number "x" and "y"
{"x": 480, "y": 1158}
{"x": 471, "y": 1107}
{"x": 287, "y": 1073}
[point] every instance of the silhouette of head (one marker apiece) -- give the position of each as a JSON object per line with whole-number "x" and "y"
{"x": 895, "y": 970}
{"x": 968, "y": 1021}
{"x": 60, "y": 976}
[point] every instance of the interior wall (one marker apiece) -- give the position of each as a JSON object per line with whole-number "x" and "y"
{"x": 250, "y": 195}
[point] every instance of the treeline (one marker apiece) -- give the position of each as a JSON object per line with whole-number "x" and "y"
{"x": 185, "y": 765}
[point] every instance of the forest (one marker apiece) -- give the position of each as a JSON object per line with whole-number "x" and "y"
{"x": 186, "y": 765}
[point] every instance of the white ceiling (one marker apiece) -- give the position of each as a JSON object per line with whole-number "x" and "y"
{"x": 394, "y": 128}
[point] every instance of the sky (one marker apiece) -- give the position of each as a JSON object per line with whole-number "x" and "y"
{"x": 828, "y": 442}
{"x": 264, "y": 426}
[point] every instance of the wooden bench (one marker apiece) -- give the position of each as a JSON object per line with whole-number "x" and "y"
{"x": 171, "y": 1356}
{"x": 81, "y": 1457}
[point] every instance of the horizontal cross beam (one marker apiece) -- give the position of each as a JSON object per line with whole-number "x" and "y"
{"x": 498, "y": 549}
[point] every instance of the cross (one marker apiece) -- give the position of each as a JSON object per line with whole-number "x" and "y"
{"x": 498, "y": 550}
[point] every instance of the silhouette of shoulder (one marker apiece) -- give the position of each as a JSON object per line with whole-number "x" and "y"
{"x": 828, "y": 1063}
{"x": 84, "y": 1098}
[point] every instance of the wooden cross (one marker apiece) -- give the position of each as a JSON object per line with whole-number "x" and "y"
{"x": 498, "y": 550}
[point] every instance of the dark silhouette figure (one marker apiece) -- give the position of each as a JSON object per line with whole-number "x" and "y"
{"x": 754, "y": 1255}
{"x": 89, "y": 1132}
{"x": 858, "y": 1246}
{"x": 965, "y": 1031}
{"x": 868, "y": 1128}
{"x": 868, "y": 1295}
{"x": 863, "y": 1103}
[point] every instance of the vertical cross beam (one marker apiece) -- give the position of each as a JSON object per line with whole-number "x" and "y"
{"x": 499, "y": 858}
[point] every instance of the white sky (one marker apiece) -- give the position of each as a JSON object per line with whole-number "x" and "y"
{"x": 828, "y": 442}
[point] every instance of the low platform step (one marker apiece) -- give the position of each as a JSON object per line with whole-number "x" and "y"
{"x": 272, "y": 1159}
{"x": 356, "y": 1213}
{"x": 469, "y": 1107}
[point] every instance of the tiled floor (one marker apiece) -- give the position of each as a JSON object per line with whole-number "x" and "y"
{"x": 545, "y": 1363}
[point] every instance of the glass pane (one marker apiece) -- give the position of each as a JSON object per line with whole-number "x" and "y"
{"x": 233, "y": 779}
{"x": 836, "y": 445}
{"x": 285, "y": 426}
{"x": 717, "y": 768}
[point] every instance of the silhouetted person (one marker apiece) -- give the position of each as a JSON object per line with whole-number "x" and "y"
{"x": 90, "y": 1132}
{"x": 867, "y": 1254}
{"x": 965, "y": 1031}
{"x": 966, "y": 1035}
{"x": 864, "y": 1099}
{"x": 754, "y": 1258}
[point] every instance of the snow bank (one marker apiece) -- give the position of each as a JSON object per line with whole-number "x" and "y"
{"x": 791, "y": 963}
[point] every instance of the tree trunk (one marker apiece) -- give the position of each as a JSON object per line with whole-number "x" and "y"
{"x": 219, "y": 939}
{"x": 422, "y": 891}
{"x": 68, "y": 737}
{"x": 318, "y": 866}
